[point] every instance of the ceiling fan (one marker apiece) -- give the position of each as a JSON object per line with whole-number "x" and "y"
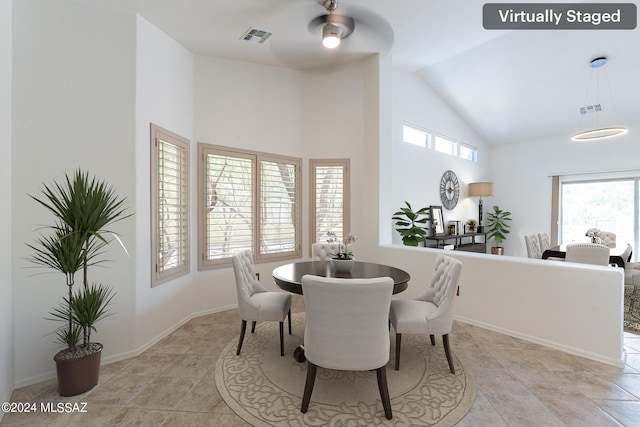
{"x": 337, "y": 27}
{"x": 367, "y": 33}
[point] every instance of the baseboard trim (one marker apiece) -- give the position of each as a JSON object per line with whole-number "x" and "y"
{"x": 551, "y": 344}
{"x": 128, "y": 354}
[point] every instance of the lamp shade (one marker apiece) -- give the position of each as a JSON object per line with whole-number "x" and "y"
{"x": 480, "y": 189}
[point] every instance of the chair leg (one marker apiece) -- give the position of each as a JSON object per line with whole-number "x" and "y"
{"x": 308, "y": 386}
{"x": 281, "y": 338}
{"x": 243, "y": 328}
{"x": 398, "y": 341}
{"x": 433, "y": 339}
{"x": 289, "y": 315}
{"x": 253, "y": 326}
{"x": 447, "y": 351}
{"x": 381, "y": 373}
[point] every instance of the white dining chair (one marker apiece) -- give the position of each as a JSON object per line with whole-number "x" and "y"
{"x": 432, "y": 312}
{"x": 608, "y": 238}
{"x": 587, "y": 253}
{"x": 347, "y": 329}
{"x": 324, "y": 251}
{"x": 256, "y": 303}
{"x": 533, "y": 246}
{"x": 545, "y": 241}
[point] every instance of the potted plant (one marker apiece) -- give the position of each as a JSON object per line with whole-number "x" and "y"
{"x": 83, "y": 208}
{"x": 498, "y": 228}
{"x": 343, "y": 259}
{"x": 408, "y": 223}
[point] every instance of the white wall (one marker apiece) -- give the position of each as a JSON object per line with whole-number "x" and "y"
{"x": 416, "y": 171}
{"x": 572, "y": 308}
{"x": 164, "y": 96}
{"x": 522, "y": 175}
{"x": 6, "y": 302}
{"x": 73, "y": 107}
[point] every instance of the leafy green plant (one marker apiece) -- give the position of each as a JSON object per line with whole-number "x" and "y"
{"x": 497, "y": 225}
{"x": 409, "y": 224}
{"x": 83, "y": 208}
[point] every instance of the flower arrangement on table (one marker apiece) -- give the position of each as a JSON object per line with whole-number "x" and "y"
{"x": 594, "y": 234}
{"x": 343, "y": 246}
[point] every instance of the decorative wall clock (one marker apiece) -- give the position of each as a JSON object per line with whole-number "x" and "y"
{"x": 449, "y": 190}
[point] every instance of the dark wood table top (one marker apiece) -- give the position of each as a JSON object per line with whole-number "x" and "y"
{"x": 618, "y": 254}
{"x": 289, "y": 276}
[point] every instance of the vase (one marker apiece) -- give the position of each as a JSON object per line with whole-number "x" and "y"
{"x": 596, "y": 239}
{"x": 342, "y": 265}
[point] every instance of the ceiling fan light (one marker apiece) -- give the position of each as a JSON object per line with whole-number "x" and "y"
{"x": 601, "y": 133}
{"x": 331, "y": 36}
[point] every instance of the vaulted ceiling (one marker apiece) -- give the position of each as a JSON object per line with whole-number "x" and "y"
{"x": 510, "y": 86}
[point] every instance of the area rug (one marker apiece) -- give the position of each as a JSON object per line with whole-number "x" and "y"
{"x": 265, "y": 389}
{"x": 632, "y": 308}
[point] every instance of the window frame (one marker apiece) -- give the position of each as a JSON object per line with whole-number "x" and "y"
{"x": 453, "y": 144}
{"x": 257, "y": 158}
{"x": 417, "y": 128}
{"x": 346, "y": 195}
{"x": 159, "y": 276}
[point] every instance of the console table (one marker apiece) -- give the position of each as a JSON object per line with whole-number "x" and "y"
{"x": 461, "y": 242}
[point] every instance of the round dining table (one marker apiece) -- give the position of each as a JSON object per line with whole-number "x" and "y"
{"x": 289, "y": 276}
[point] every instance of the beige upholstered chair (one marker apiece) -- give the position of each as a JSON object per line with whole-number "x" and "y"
{"x": 545, "y": 242}
{"x": 256, "y": 303}
{"x": 347, "y": 329}
{"x": 588, "y": 253}
{"x": 533, "y": 246}
{"x": 432, "y": 312}
{"x": 608, "y": 238}
{"x": 324, "y": 251}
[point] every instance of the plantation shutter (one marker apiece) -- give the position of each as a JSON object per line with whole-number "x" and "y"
{"x": 329, "y": 189}
{"x": 229, "y": 209}
{"x": 170, "y": 195}
{"x": 278, "y": 207}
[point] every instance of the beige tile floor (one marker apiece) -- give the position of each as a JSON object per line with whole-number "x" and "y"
{"x": 519, "y": 383}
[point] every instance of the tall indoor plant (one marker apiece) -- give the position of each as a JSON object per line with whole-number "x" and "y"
{"x": 410, "y": 224}
{"x": 498, "y": 228}
{"x": 83, "y": 209}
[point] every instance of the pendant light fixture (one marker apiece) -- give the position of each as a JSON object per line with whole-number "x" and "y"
{"x": 597, "y": 66}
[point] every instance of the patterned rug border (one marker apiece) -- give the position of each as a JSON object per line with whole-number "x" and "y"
{"x": 277, "y": 400}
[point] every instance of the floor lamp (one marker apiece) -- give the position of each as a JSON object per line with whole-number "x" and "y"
{"x": 480, "y": 189}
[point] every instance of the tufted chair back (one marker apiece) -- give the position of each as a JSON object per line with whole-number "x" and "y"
{"x": 588, "y": 253}
{"x": 533, "y": 246}
{"x": 545, "y": 241}
{"x": 324, "y": 251}
{"x": 444, "y": 283}
{"x": 246, "y": 283}
{"x": 608, "y": 238}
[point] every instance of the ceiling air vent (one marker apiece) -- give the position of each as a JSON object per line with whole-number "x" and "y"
{"x": 596, "y": 108}
{"x": 255, "y": 36}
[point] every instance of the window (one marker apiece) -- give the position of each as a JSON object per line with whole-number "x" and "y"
{"x": 468, "y": 152}
{"x": 247, "y": 200}
{"x": 445, "y": 145}
{"x": 329, "y": 194}
{"x": 415, "y": 135}
{"x": 169, "y": 205}
{"x": 607, "y": 204}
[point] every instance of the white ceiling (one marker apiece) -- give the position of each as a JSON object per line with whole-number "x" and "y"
{"x": 510, "y": 86}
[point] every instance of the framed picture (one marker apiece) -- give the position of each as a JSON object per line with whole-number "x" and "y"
{"x": 437, "y": 220}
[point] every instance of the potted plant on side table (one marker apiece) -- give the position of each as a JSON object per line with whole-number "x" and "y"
{"x": 498, "y": 228}
{"x": 409, "y": 224}
{"x": 83, "y": 208}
